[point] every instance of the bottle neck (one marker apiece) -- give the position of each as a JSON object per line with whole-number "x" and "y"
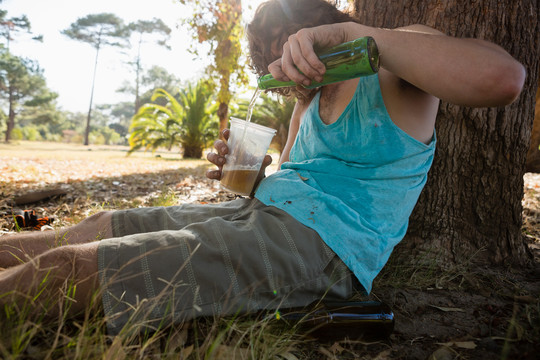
{"x": 267, "y": 81}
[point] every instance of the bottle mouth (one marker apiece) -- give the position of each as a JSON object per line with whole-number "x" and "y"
{"x": 373, "y": 54}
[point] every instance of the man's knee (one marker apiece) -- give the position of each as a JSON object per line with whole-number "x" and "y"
{"x": 100, "y": 218}
{"x": 68, "y": 272}
{"x": 97, "y": 226}
{"x": 76, "y": 262}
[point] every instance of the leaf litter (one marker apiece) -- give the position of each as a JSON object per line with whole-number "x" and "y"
{"x": 475, "y": 322}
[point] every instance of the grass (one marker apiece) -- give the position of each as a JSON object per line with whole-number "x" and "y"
{"x": 166, "y": 197}
{"x": 103, "y": 179}
{"x": 428, "y": 270}
{"x": 26, "y": 334}
{"x": 68, "y": 151}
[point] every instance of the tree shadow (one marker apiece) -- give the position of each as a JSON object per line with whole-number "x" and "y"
{"x": 81, "y": 198}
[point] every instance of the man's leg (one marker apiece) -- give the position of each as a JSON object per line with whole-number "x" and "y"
{"x": 20, "y": 248}
{"x": 64, "y": 275}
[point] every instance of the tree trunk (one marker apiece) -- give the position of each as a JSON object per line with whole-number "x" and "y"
{"x": 137, "y": 76}
{"x": 192, "y": 152}
{"x": 533, "y": 155}
{"x": 89, "y": 117}
{"x": 11, "y": 115}
{"x": 222, "y": 113}
{"x": 471, "y": 208}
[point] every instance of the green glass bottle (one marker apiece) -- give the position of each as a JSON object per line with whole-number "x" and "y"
{"x": 346, "y": 61}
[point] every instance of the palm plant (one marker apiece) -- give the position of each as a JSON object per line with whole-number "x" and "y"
{"x": 188, "y": 121}
{"x": 200, "y": 123}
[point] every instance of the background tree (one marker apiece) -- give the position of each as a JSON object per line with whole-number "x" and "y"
{"x": 154, "y": 78}
{"x": 472, "y": 201}
{"x": 187, "y": 121}
{"x": 151, "y": 79}
{"x": 14, "y": 25}
{"x": 140, "y": 30}
{"x": 218, "y": 23}
{"x": 41, "y": 111}
{"x": 21, "y": 82}
{"x": 40, "y": 119}
{"x": 119, "y": 115}
{"x": 98, "y": 30}
{"x": 158, "y": 77}
{"x": 3, "y": 118}
{"x": 533, "y": 155}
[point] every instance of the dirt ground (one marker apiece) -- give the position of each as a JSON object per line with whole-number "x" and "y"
{"x": 479, "y": 313}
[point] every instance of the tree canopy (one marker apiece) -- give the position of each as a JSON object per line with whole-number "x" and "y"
{"x": 98, "y": 30}
{"x": 218, "y": 23}
{"x": 21, "y": 83}
{"x": 9, "y": 27}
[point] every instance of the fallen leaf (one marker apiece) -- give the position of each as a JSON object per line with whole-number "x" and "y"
{"x": 115, "y": 351}
{"x": 337, "y": 348}
{"x": 288, "y": 356}
{"x": 326, "y": 352}
{"x": 442, "y": 353}
{"x": 225, "y": 352}
{"x": 385, "y": 355}
{"x": 186, "y": 352}
{"x": 460, "y": 344}
{"x": 447, "y": 309}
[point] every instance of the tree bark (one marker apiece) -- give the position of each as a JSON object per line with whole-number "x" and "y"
{"x": 138, "y": 76}
{"x": 471, "y": 208}
{"x": 222, "y": 113}
{"x": 89, "y": 117}
{"x": 11, "y": 115}
{"x": 192, "y": 152}
{"x": 533, "y": 155}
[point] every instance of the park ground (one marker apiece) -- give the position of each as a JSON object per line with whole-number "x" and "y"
{"x": 463, "y": 312}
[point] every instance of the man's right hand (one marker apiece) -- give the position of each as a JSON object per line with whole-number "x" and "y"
{"x": 298, "y": 61}
{"x": 218, "y": 158}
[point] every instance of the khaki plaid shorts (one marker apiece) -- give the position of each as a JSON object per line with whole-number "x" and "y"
{"x": 169, "y": 265}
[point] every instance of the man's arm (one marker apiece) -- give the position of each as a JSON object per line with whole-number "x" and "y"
{"x": 468, "y": 72}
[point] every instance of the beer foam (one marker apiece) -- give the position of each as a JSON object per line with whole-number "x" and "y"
{"x": 244, "y": 167}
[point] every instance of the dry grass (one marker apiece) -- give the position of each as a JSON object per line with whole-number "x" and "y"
{"x": 499, "y": 312}
{"x": 97, "y": 178}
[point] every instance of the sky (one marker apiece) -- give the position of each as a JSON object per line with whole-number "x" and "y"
{"x": 68, "y": 64}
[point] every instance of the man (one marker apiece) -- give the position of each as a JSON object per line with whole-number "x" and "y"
{"x": 356, "y": 159}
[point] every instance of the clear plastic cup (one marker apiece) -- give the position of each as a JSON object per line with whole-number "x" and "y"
{"x": 248, "y": 143}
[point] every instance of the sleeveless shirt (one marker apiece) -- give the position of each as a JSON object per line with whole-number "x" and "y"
{"x": 355, "y": 181}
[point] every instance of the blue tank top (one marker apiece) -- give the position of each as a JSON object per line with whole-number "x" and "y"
{"x": 355, "y": 181}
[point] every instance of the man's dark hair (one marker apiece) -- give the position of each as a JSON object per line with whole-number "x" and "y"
{"x": 281, "y": 18}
